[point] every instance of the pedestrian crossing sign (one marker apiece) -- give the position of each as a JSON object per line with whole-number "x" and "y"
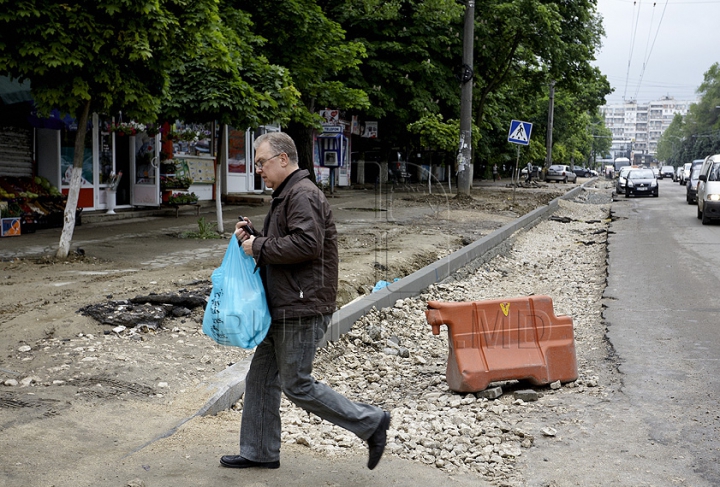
{"x": 520, "y": 132}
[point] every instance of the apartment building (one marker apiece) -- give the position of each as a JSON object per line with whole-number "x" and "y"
{"x": 637, "y": 127}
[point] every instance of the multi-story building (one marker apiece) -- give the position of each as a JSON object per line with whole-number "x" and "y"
{"x": 636, "y": 128}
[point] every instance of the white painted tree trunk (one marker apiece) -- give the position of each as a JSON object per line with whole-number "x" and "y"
{"x": 218, "y": 196}
{"x": 218, "y": 180}
{"x": 69, "y": 216}
{"x": 75, "y": 181}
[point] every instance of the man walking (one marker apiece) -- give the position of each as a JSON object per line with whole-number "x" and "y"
{"x": 495, "y": 172}
{"x": 298, "y": 259}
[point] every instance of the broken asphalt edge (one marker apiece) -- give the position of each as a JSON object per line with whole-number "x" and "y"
{"x": 229, "y": 384}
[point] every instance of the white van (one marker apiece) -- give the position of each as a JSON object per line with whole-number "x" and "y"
{"x": 708, "y": 192}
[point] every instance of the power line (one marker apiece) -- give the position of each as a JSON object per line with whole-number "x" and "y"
{"x": 647, "y": 44}
{"x": 691, "y": 2}
{"x": 651, "y": 48}
{"x": 634, "y": 19}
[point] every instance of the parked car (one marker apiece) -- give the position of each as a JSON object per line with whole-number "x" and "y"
{"x": 641, "y": 182}
{"x": 691, "y": 186}
{"x": 560, "y": 173}
{"x": 667, "y": 172}
{"x": 685, "y": 173}
{"x": 697, "y": 163}
{"x": 708, "y": 190}
{"x": 622, "y": 179}
{"x": 535, "y": 172}
{"x": 582, "y": 172}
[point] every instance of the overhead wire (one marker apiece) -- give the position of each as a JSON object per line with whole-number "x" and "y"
{"x": 647, "y": 44}
{"x": 635, "y": 19}
{"x": 642, "y": 73}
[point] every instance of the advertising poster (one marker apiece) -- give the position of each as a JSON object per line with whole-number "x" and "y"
{"x": 371, "y": 130}
{"x": 331, "y": 116}
{"x": 236, "y": 151}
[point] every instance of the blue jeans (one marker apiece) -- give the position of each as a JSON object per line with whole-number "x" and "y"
{"x": 283, "y": 363}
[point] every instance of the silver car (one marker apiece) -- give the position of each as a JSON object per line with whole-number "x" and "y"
{"x": 560, "y": 173}
{"x": 622, "y": 180}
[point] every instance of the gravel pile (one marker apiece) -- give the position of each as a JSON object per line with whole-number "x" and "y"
{"x": 391, "y": 359}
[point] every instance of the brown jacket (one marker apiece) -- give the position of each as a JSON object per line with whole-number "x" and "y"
{"x": 297, "y": 253}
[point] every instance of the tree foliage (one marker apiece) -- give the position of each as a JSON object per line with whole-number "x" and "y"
{"x": 671, "y": 139}
{"x": 314, "y": 50}
{"x": 697, "y": 135}
{"x": 115, "y": 55}
{"x": 413, "y": 48}
{"x": 436, "y": 134}
{"x": 228, "y": 79}
{"x": 251, "y": 63}
{"x": 520, "y": 48}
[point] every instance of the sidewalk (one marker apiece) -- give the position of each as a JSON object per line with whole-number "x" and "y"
{"x": 98, "y": 226}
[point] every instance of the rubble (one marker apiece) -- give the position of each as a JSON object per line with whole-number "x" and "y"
{"x": 147, "y": 312}
{"x": 484, "y": 432}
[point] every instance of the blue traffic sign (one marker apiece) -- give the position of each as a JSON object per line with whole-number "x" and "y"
{"x": 520, "y": 132}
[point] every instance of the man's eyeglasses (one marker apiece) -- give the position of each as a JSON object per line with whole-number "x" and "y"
{"x": 259, "y": 164}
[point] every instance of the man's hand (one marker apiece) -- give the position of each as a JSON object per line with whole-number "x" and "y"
{"x": 247, "y": 245}
{"x": 240, "y": 232}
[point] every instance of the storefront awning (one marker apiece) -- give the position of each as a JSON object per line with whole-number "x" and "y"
{"x": 12, "y": 91}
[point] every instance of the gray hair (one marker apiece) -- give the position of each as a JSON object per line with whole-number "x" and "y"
{"x": 279, "y": 142}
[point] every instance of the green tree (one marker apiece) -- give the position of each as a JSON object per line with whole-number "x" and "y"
{"x": 520, "y": 47}
{"x": 302, "y": 39}
{"x": 696, "y": 135}
{"x": 704, "y": 115}
{"x": 436, "y": 134}
{"x": 601, "y": 139}
{"x": 413, "y": 49}
{"x": 98, "y": 56}
{"x": 227, "y": 79}
{"x": 670, "y": 140}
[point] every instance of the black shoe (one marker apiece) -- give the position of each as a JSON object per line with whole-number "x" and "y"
{"x": 376, "y": 443}
{"x": 237, "y": 461}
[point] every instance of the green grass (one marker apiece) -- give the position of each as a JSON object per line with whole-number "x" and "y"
{"x": 205, "y": 231}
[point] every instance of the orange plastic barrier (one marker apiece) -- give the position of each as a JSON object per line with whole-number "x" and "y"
{"x": 504, "y": 339}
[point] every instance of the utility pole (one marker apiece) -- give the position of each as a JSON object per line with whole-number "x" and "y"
{"x": 548, "y": 139}
{"x": 464, "y": 159}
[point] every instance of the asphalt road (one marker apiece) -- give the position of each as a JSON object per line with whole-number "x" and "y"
{"x": 659, "y": 424}
{"x": 664, "y": 276}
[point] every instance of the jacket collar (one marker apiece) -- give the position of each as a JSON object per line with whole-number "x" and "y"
{"x": 289, "y": 181}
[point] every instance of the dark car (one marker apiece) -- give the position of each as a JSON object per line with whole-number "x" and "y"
{"x": 667, "y": 172}
{"x": 641, "y": 182}
{"x": 691, "y": 185}
{"x": 582, "y": 172}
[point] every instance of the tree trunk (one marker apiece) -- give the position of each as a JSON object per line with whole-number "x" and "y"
{"x": 75, "y": 182}
{"x": 303, "y": 137}
{"x": 221, "y": 161}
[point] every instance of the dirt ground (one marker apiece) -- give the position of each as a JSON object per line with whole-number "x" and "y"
{"x": 83, "y": 402}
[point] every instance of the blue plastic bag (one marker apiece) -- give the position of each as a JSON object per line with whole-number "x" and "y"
{"x": 382, "y": 284}
{"x": 237, "y": 313}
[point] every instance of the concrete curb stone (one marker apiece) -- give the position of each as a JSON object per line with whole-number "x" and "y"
{"x": 229, "y": 385}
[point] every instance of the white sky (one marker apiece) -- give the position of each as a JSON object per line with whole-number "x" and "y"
{"x": 685, "y": 47}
